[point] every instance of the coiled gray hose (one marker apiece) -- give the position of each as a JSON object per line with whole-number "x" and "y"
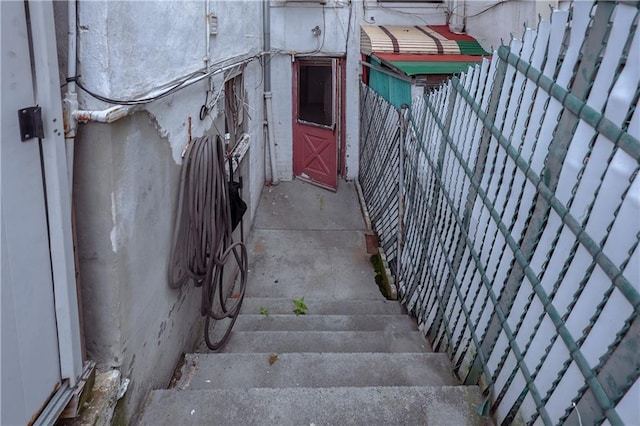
{"x": 202, "y": 241}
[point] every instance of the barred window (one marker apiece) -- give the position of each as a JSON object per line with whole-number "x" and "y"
{"x": 235, "y": 102}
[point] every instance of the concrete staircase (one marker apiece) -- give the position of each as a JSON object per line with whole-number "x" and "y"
{"x": 353, "y": 359}
{"x": 358, "y": 362}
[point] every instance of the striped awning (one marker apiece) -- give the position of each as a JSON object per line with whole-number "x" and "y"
{"x": 425, "y": 40}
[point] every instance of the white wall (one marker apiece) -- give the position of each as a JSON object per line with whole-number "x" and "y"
{"x": 127, "y": 173}
{"x": 492, "y": 22}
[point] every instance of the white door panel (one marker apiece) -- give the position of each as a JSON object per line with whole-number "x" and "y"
{"x": 30, "y": 352}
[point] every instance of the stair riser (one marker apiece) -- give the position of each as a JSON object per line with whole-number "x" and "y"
{"x": 326, "y": 341}
{"x": 324, "y": 406}
{"x": 324, "y": 323}
{"x": 220, "y": 371}
{"x": 252, "y": 305}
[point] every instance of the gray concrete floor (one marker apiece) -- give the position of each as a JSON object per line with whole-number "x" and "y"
{"x": 309, "y": 242}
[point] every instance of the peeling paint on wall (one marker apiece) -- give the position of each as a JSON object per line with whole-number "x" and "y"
{"x": 126, "y": 183}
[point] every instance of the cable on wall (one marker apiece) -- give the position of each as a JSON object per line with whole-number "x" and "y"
{"x": 171, "y": 88}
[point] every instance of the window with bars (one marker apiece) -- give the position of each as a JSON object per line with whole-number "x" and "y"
{"x": 235, "y": 104}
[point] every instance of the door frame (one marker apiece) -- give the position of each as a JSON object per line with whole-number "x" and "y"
{"x": 339, "y": 107}
{"x": 57, "y": 190}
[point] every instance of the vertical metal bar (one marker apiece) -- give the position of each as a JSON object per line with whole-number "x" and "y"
{"x": 478, "y": 171}
{"x": 433, "y": 329}
{"x": 403, "y": 132}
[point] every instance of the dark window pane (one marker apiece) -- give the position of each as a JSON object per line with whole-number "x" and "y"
{"x": 315, "y": 94}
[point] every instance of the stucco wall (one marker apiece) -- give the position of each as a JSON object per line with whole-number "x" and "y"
{"x": 126, "y": 173}
{"x": 492, "y": 22}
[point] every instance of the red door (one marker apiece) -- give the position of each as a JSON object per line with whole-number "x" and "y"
{"x": 316, "y": 125}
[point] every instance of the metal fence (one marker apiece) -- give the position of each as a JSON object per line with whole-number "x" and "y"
{"x": 514, "y": 204}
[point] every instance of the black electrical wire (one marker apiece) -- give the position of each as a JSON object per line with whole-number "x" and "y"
{"x": 202, "y": 240}
{"x": 181, "y": 84}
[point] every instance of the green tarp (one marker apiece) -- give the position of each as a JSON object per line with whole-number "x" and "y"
{"x": 415, "y": 68}
{"x": 392, "y": 89}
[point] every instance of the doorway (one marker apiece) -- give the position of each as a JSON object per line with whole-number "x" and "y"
{"x": 318, "y": 89}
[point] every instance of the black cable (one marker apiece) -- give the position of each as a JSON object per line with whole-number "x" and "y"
{"x": 202, "y": 240}
{"x": 181, "y": 84}
{"x": 485, "y": 10}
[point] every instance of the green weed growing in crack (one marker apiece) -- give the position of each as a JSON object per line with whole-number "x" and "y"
{"x": 300, "y": 307}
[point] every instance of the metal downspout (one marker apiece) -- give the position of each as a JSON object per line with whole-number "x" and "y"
{"x": 70, "y": 102}
{"x": 457, "y": 16}
{"x": 266, "y": 25}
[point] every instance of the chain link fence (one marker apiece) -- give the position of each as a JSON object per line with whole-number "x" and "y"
{"x": 508, "y": 204}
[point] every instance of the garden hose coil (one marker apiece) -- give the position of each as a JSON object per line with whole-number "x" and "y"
{"x": 202, "y": 237}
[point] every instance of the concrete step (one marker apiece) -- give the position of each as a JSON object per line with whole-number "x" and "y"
{"x": 325, "y": 341}
{"x": 252, "y": 305}
{"x": 432, "y": 405}
{"x": 307, "y": 370}
{"x": 279, "y": 322}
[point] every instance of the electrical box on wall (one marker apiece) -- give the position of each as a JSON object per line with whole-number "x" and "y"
{"x": 213, "y": 24}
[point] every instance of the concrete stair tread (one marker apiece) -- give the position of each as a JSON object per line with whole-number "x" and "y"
{"x": 433, "y": 405}
{"x": 325, "y": 341}
{"x": 240, "y": 370}
{"x": 284, "y": 322}
{"x": 279, "y": 305}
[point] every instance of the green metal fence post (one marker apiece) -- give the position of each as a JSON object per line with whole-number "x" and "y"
{"x": 483, "y": 149}
{"x": 433, "y": 330}
{"x": 402, "y": 114}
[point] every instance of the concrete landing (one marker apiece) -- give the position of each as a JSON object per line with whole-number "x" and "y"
{"x": 307, "y": 241}
{"x": 299, "y": 205}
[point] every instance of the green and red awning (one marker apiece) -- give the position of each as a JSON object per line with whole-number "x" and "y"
{"x": 421, "y": 49}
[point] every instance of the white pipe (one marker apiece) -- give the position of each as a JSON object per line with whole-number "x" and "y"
{"x": 266, "y": 28}
{"x": 266, "y": 44}
{"x": 456, "y": 16}
{"x": 105, "y": 116}
{"x": 272, "y": 143}
{"x": 207, "y": 57}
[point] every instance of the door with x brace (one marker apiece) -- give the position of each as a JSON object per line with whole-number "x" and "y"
{"x": 316, "y": 123}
